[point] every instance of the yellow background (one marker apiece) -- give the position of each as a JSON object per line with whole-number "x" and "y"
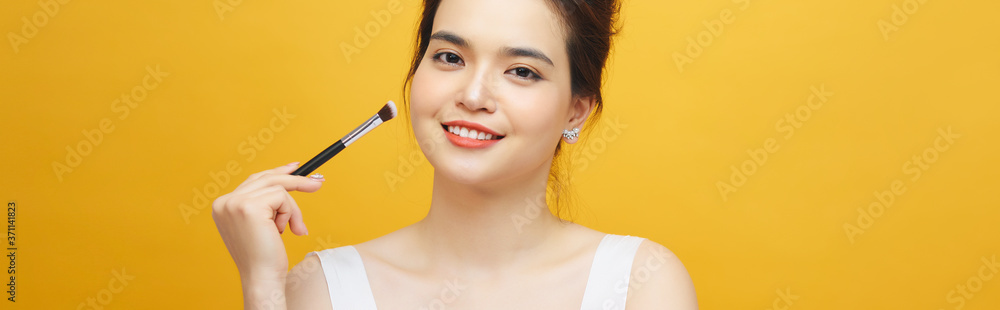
{"x": 120, "y": 209}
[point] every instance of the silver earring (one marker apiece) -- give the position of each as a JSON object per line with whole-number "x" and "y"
{"x": 571, "y": 134}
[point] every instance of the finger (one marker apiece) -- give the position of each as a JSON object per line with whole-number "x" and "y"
{"x": 259, "y": 207}
{"x": 285, "y": 212}
{"x": 281, "y": 220}
{"x": 290, "y": 214}
{"x": 280, "y": 203}
{"x": 288, "y": 182}
{"x": 285, "y": 169}
{"x": 296, "y": 223}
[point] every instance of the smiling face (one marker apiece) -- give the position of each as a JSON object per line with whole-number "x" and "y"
{"x": 495, "y": 81}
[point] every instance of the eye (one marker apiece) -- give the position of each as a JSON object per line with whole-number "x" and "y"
{"x": 448, "y": 58}
{"x": 525, "y": 73}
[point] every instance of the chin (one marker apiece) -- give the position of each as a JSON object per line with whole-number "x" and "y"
{"x": 467, "y": 171}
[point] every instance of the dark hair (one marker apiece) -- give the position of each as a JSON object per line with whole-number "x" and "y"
{"x": 589, "y": 26}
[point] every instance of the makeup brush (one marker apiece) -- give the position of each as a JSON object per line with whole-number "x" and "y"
{"x": 387, "y": 112}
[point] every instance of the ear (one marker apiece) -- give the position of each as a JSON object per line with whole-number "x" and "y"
{"x": 579, "y": 110}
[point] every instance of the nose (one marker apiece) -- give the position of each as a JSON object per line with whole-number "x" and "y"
{"x": 477, "y": 94}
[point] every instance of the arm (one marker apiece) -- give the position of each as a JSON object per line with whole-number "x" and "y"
{"x": 306, "y": 287}
{"x": 264, "y": 293}
{"x": 659, "y": 280}
{"x": 250, "y": 221}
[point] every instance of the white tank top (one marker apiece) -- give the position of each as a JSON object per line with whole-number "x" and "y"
{"x": 607, "y": 285}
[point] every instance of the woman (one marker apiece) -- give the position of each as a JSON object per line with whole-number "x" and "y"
{"x": 505, "y": 82}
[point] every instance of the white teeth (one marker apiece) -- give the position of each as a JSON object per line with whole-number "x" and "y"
{"x": 469, "y": 133}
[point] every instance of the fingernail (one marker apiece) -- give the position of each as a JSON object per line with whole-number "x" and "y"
{"x": 292, "y": 164}
{"x": 317, "y": 177}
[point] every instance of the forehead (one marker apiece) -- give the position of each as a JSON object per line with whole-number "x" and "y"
{"x": 492, "y": 24}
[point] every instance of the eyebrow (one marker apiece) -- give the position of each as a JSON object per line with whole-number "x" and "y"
{"x": 451, "y": 38}
{"x": 506, "y": 51}
{"x": 526, "y": 52}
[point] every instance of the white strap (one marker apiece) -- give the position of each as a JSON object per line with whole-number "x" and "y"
{"x": 346, "y": 278}
{"x": 607, "y": 286}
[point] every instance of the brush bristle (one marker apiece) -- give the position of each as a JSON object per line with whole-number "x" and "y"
{"x": 387, "y": 112}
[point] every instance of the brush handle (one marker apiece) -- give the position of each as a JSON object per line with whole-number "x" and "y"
{"x": 320, "y": 159}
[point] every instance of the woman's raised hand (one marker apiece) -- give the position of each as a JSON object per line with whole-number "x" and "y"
{"x": 251, "y": 219}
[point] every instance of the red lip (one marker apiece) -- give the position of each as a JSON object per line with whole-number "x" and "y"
{"x": 469, "y": 142}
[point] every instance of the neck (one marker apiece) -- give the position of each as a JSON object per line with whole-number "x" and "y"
{"x": 488, "y": 227}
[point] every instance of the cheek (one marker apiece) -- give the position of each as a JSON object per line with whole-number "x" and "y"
{"x": 425, "y": 98}
{"x": 419, "y": 93}
{"x": 537, "y": 112}
{"x": 536, "y": 116}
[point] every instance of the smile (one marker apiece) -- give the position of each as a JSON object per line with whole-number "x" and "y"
{"x": 470, "y": 135}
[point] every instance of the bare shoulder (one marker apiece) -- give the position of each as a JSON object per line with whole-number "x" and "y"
{"x": 305, "y": 286}
{"x": 659, "y": 280}
{"x": 397, "y": 248}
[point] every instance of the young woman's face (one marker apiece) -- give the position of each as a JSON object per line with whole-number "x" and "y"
{"x": 498, "y": 68}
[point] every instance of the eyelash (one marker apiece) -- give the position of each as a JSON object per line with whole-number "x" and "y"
{"x": 437, "y": 58}
{"x": 532, "y": 75}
